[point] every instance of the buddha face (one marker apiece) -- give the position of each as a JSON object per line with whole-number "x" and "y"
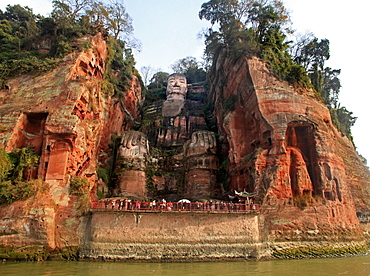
{"x": 176, "y": 87}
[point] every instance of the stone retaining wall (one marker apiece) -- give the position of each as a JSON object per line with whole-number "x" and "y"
{"x": 171, "y": 236}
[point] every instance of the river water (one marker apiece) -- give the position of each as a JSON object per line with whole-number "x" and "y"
{"x": 319, "y": 267}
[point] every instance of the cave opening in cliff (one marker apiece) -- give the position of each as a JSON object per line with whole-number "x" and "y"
{"x": 31, "y": 132}
{"x": 301, "y": 143}
{"x": 35, "y": 122}
{"x": 267, "y": 138}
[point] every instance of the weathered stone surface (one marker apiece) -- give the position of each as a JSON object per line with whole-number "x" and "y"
{"x": 279, "y": 141}
{"x": 134, "y": 145}
{"x": 282, "y": 144}
{"x": 132, "y": 163}
{"x": 172, "y": 236}
{"x": 172, "y": 107}
{"x": 201, "y": 166}
{"x": 65, "y": 116}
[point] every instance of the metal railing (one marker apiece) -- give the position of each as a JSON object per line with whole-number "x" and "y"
{"x": 163, "y": 206}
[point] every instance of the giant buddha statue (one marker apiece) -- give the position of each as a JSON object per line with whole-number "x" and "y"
{"x": 184, "y": 159}
{"x": 176, "y": 93}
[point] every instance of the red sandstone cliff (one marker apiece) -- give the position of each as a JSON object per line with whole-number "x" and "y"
{"x": 279, "y": 140}
{"x": 281, "y": 143}
{"x": 67, "y": 118}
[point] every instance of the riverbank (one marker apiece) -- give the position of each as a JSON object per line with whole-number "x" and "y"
{"x": 111, "y": 252}
{"x": 163, "y": 236}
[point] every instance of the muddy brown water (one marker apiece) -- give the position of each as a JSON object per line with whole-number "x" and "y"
{"x": 332, "y": 266}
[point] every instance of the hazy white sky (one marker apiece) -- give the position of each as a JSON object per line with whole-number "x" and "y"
{"x": 168, "y": 31}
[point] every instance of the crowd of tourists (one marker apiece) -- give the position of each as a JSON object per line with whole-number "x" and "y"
{"x": 163, "y": 205}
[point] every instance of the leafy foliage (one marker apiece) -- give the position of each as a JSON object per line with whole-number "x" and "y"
{"x": 260, "y": 28}
{"x": 121, "y": 66}
{"x": 103, "y": 174}
{"x": 5, "y": 165}
{"x": 114, "y": 18}
{"x": 159, "y": 80}
{"x": 312, "y": 54}
{"x": 22, "y": 159}
{"x": 331, "y": 87}
{"x": 18, "y": 190}
{"x": 156, "y": 94}
{"x": 22, "y": 33}
{"x": 79, "y": 186}
{"x": 13, "y": 166}
{"x": 223, "y": 174}
{"x": 191, "y": 68}
{"x": 229, "y": 104}
{"x": 252, "y": 28}
{"x": 343, "y": 120}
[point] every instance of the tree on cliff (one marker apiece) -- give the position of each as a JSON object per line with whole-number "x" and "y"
{"x": 260, "y": 28}
{"x": 146, "y": 72}
{"x": 159, "y": 80}
{"x": 22, "y": 19}
{"x": 112, "y": 16}
{"x": 14, "y": 182}
{"x": 238, "y": 20}
{"x": 227, "y": 29}
{"x": 77, "y": 6}
{"x": 22, "y": 32}
{"x": 250, "y": 28}
{"x": 312, "y": 54}
{"x": 191, "y": 68}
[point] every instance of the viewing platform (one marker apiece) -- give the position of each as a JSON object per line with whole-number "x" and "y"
{"x": 163, "y": 206}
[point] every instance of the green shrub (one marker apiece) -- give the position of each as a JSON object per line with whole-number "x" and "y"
{"x": 17, "y": 190}
{"x": 61, "y": 48}
{"x": 22, "y": 159}
{"x": 100, "y": 194}
{"x": 298, "y": 74}
{"x": 86, "y": 46}
{"x": 103, "y": 174}
{"x": 5, "y": 165}
{"x": 201, "y": 97}
{"x": 156, "y": 94}
{"x": 229, "y": 105}
{"x": 79, "y": 186}
{"x": 12, "y": 167}
{"x": 223, "y": 174}
{"x": 303, "y": 201}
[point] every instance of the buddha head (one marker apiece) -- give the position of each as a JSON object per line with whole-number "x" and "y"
{"x": 176, "y": 87}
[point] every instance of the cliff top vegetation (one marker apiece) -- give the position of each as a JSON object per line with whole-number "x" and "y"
{"x": 33, "y": 43}
{"x": 262, "y": 28}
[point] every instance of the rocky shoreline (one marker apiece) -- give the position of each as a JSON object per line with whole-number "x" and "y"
{"x": 189, "y": 252}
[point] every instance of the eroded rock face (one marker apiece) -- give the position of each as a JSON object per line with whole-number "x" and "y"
{"x": 66, "y": 117}
{"x": 282, "y": 144}
{"x": 278, "y": 139}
